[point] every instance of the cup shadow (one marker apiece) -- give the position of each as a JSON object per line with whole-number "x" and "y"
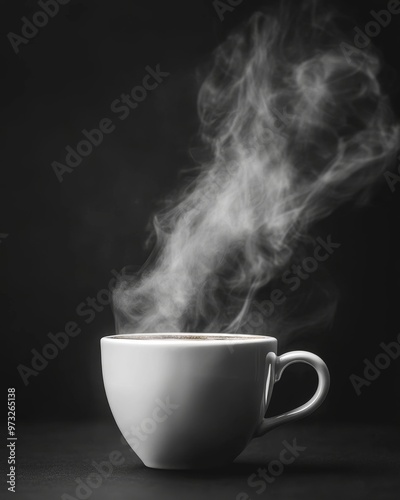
{"x": 244, "y": 468}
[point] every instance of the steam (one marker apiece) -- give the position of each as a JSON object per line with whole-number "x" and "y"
{"x": 235, "y": 226}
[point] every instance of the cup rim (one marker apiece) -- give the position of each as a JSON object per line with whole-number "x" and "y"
{"x": 231, "y": 338}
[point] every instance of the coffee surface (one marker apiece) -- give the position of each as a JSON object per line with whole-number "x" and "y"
{"x": 186, "y": 336}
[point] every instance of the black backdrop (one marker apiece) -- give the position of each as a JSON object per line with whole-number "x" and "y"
{"x": 61, "y": 241}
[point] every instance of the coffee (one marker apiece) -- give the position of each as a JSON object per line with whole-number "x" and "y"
{"x": 186, "y": 336}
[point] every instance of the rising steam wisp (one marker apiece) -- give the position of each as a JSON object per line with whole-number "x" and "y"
{"x": 235, "y": 226}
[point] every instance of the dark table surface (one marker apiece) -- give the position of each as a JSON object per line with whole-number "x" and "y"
{"x": 340, "y": 461}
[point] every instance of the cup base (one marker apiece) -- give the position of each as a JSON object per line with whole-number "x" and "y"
{"x": 182, "y": 466}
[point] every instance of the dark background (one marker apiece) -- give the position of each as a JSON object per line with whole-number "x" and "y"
{"x": 64, "y": 239}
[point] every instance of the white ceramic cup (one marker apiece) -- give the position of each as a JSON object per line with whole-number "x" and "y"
{"x": 185, "y": 401}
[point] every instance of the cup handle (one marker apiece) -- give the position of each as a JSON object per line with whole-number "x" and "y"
{"x": 276, "y": 366}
